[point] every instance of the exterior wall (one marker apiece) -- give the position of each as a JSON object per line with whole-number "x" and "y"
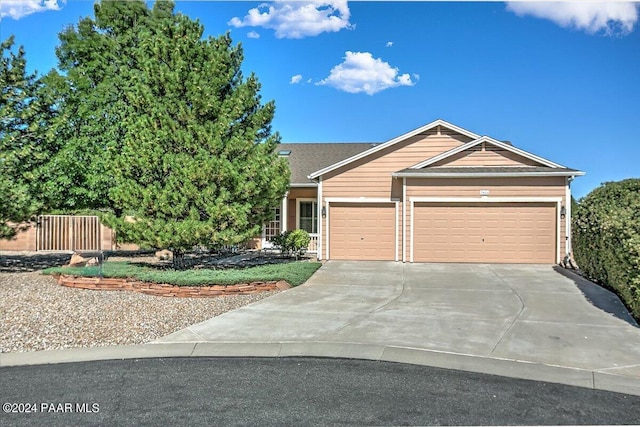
{"x": 370, "y": 177}
{"x": 292, "y": 205}
{"x": 486, "y": 155}
{"x": 23, "y": 241}
{"x": 498, "y": 187}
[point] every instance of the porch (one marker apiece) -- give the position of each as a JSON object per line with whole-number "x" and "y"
{"x": 298, "y": 210}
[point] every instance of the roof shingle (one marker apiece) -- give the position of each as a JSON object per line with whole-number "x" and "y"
{"x": 306, "y": 158}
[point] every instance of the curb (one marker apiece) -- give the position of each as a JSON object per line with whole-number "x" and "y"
{"x": 592, "y": 379}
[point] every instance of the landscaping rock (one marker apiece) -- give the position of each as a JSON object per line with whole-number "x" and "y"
{"x": 164, "y": 255}
{"x": 282, "y": 285}
{"x": 77, "y": 260}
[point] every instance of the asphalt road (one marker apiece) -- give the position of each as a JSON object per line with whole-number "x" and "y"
{"x": 292, "y": 391}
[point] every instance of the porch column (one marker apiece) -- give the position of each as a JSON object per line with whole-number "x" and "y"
{"x": 283, "y": 216}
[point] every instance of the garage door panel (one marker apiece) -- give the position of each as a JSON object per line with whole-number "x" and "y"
{"x": 514, "y": 233}
{"x": 359, "y": 231}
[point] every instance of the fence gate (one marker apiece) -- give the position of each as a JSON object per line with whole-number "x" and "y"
{"x": 68, "y": 233}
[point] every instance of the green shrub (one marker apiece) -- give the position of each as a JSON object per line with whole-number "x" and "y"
{"x": 606, "y": 238}
{"x": 293, "y": 242}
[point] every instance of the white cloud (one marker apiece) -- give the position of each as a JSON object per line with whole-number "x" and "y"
{"x": 298, "y": 19}
{"x": 296, "y": 79}
{"x": 253, "y": 35}
{"x": 610, "y": 17}
{"x": 17, "y": 9}
{"x": 389, "y": 44}
{"x": 361, "y": 72}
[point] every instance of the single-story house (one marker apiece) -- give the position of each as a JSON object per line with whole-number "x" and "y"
{"x": 439, "y": 193}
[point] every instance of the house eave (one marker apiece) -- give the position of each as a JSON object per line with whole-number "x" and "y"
{"x": 484, "y": 174}
{"x": 303, "y": 184}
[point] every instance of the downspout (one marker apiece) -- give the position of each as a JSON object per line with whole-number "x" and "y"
{"x": 319, "y": 216}
{"x": 568, "y": 249}
{"x": 404, "y": 219}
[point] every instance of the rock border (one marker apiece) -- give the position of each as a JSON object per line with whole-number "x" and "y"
{"x": 164, "y": 290}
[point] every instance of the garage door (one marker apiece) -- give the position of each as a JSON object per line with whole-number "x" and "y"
{"x": 362, "y": 231}
{"x": 495, "y": 233}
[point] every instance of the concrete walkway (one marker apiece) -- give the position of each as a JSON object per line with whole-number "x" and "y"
{"x": 519, "y": 321}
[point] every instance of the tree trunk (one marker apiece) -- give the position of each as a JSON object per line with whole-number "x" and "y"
{"x": 178, "y": 259}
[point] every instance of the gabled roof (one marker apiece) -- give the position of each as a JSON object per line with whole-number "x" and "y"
{"x": 485, "y": 171}
{"x": 489, "y": 140}
{"x": 304, "y": 158}
{"x": 391, "y": 142}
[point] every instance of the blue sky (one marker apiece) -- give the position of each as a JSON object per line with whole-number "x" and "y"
{"x": 561, "y": 80}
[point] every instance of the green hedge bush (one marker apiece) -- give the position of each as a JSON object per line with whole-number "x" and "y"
{"x": 293, "y": 242}
{"x": 606, "y": 238}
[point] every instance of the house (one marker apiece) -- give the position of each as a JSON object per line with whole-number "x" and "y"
{"x": 439, "y": 193}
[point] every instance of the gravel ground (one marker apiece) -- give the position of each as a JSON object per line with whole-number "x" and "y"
{"x": 38, "y": 314}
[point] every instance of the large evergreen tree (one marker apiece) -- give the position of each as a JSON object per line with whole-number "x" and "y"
{"x": 166, "y": 130}
{"x": 27, "y": 109}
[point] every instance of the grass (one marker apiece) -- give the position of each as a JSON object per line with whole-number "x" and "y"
{"x": 294, "y": 273}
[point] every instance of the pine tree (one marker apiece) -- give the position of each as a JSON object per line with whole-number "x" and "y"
{"x": 26, "y": 140}
{"x": 183, "y": 139}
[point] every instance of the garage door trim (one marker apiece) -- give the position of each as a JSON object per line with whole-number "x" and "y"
{"x": 363, "y": 200}
{"x": 556, "y": 200}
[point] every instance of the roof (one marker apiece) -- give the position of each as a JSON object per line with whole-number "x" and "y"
{"x": 330, "y": 167}
{"x": 306, "y": 158}
{"x": 485, "y": 171}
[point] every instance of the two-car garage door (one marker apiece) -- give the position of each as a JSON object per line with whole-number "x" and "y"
{"x": 483, "y": 232}
{"x": 522, "y": 232}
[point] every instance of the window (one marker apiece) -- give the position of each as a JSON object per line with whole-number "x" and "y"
{"x": 272, "y": 228}
{"x": 308, "y": 215}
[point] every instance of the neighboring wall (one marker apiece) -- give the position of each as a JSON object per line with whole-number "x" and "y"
{"x": 26, "y": 241}
{"x": 23, "y": 241}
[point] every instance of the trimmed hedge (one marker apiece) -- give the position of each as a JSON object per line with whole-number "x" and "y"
{"x": 294, "y": 273}
{"x": 606, "y": 238}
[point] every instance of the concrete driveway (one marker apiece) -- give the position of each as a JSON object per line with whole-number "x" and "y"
{"x": 528, "y": 321}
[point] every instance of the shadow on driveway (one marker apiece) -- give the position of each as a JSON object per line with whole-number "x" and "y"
{"x": 599, "y": 297}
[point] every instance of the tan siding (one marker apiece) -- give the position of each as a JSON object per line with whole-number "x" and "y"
{"x": 486, "y": 156}
{"x": 371, "y": 176}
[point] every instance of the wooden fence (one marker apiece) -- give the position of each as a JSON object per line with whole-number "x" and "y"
{"x": 68, "y": 233}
